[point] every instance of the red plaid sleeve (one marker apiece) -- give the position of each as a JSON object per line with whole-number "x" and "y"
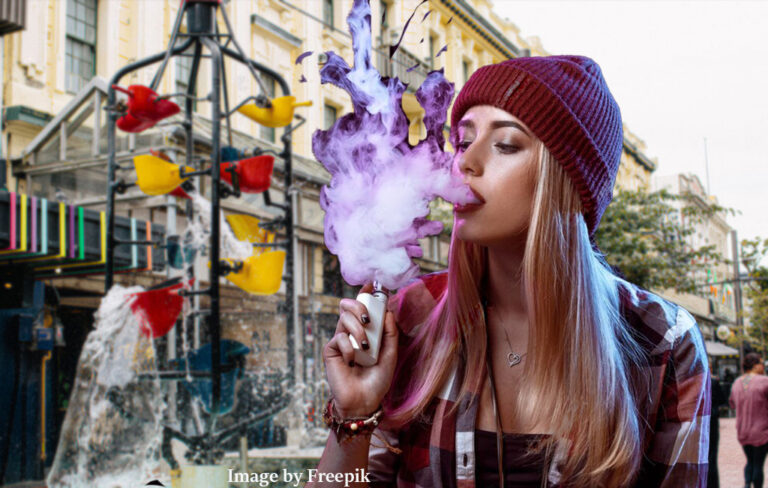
{"x": 677, "y": 454}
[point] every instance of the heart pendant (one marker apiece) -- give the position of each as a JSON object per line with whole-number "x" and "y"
{"x": 513, "y": 359}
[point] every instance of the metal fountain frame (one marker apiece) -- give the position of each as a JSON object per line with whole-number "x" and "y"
{"x": 203, "y": 32}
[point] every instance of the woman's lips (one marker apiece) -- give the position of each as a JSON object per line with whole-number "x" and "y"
{"x": 470, "y": 206}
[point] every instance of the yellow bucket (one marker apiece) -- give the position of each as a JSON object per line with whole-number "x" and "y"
{"x": 157, "y": 176}
{"x": 279, "y": 114}
{"x": 246, "y": 228}
{"x": 261, "y": 274}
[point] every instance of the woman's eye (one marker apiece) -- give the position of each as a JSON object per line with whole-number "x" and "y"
{"x": 463, "y": 145}
{"x": 506, "y": 148}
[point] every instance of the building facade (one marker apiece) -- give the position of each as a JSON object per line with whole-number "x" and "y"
{"x": 715, "y": 303}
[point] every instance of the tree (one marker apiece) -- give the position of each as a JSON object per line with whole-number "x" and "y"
{"x": 644, "y": 236}
{"x": 755, "y": 288}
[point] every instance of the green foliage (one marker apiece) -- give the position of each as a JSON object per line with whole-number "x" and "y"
{"x": 645, "y": 236}
{"x": 755, "y": 289}
{"x": 442, "y": 211}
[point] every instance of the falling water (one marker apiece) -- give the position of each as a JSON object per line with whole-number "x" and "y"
{"x": 378, "y": 199}
{"x": 111, "y": 433}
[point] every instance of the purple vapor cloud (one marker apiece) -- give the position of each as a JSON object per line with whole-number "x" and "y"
{"x": 377, "y": 201}
{"x": 303, "y": 55}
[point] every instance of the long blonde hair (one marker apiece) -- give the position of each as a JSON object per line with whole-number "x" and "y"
{"x": 578, "y": 375}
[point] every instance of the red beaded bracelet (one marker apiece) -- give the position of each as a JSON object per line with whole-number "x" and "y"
{"x": 347, "y": 428}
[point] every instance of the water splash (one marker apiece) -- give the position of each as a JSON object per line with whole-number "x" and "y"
{"x": 378, "y": 198}
{"x": 198, "y": 233}
{"x": 111, "y": 434}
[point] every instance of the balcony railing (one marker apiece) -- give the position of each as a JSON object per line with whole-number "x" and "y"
{"x": 404, "y": 65}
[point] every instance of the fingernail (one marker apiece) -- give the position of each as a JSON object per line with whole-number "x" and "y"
{"x": 364, "y": 318}
{"x": 365, "y": 344}
{"x": 351, "y": 364}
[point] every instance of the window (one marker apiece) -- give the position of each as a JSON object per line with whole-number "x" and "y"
{"x": 332, "y": 280}
{"x": 268, "y": 133}
{"x": 384, "y": 9}
{"x": 329, "y": 116}
{"x": 183, "y": 70}
{"x": 432, "y": 52}
{"x": 81, "y": 43}
{"x": 328, "y": 12}
{"x": 465, "y": 70}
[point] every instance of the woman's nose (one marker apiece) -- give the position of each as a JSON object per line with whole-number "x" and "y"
{"x": 469, "y": 161}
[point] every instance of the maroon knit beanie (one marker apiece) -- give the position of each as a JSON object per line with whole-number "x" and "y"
{"x": 565, "y": 102}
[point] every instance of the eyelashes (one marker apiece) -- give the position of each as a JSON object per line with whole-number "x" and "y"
{"x": 503, "y": 148}
{"x": 506, "y": 148}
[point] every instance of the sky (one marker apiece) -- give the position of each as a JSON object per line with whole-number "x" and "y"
{"x": 681, "y": 71}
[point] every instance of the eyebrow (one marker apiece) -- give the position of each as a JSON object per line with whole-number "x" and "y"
{"x": 496, "y": 124}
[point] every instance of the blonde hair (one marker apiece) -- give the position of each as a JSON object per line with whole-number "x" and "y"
{"x": 579, "y": 349}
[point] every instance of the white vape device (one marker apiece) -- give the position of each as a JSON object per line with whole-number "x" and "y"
{"x": 376, "y": 303}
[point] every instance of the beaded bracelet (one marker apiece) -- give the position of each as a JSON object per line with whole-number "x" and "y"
{"x": 347, "y": 428}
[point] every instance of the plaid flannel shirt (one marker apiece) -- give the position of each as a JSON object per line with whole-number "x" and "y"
{"x": 676, "y": 438}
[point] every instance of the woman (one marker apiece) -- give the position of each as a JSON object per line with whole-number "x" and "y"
{"x": 749, "y": 397}
{"x": 528, "y": 360}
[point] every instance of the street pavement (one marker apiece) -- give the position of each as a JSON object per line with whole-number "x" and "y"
{"x": 730, "y": 456}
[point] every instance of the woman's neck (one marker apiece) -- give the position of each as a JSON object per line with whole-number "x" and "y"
{"x": 505, "y": 290}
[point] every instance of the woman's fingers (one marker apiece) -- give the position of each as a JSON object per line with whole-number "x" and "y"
{"x": 353, "y": 307}
{"x": 353, "y": 326}
{"x": 345, "y": 348}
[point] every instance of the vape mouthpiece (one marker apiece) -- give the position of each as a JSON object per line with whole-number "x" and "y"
{"x": 379, "y": 291}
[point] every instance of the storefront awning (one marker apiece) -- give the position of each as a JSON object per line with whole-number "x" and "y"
{"x": 720, "y": 349}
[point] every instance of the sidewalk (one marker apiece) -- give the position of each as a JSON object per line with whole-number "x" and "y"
{"x": 730, "y": 456}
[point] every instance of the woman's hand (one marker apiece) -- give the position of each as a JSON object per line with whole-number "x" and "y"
{"x": 358, "y": 390}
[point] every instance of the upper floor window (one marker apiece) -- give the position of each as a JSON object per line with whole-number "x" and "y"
{"x": 183, "y": 71}
{"x": 328, "y": 12}
{"x": 465, "y": 70}
{"x": 385, "y": 20}
{"x": 432, "y": 50}
{"x": 330, "y": 113}
{"x": 81, "y": 43}
{"x": 268, "y": 133}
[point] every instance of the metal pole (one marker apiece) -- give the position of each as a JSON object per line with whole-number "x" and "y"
{"x": 706, "y": 165}
{"x": 213, "y": 318}
{"x": 737, "y": 294}
{"x": 194, "y": 321}
{"x": 159, "y": 75}
{"x": 291, "y": 300}
{"x": 2, "y": 95}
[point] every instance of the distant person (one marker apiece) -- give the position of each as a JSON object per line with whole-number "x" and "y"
{"x": 749, "y": 398}
{"x": 718, "y": 399}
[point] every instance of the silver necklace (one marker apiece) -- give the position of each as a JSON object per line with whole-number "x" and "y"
{"x": 513, "y": 358}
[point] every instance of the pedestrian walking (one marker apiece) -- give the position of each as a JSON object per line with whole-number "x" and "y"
{"x": 749, "y": 398}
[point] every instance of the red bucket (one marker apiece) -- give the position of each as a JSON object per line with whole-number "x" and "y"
{"x": 129, "y": 123}
{"x": 254, "y": 173}
{"x": 158, "y": 309}
{"x": 144, "y": 108}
